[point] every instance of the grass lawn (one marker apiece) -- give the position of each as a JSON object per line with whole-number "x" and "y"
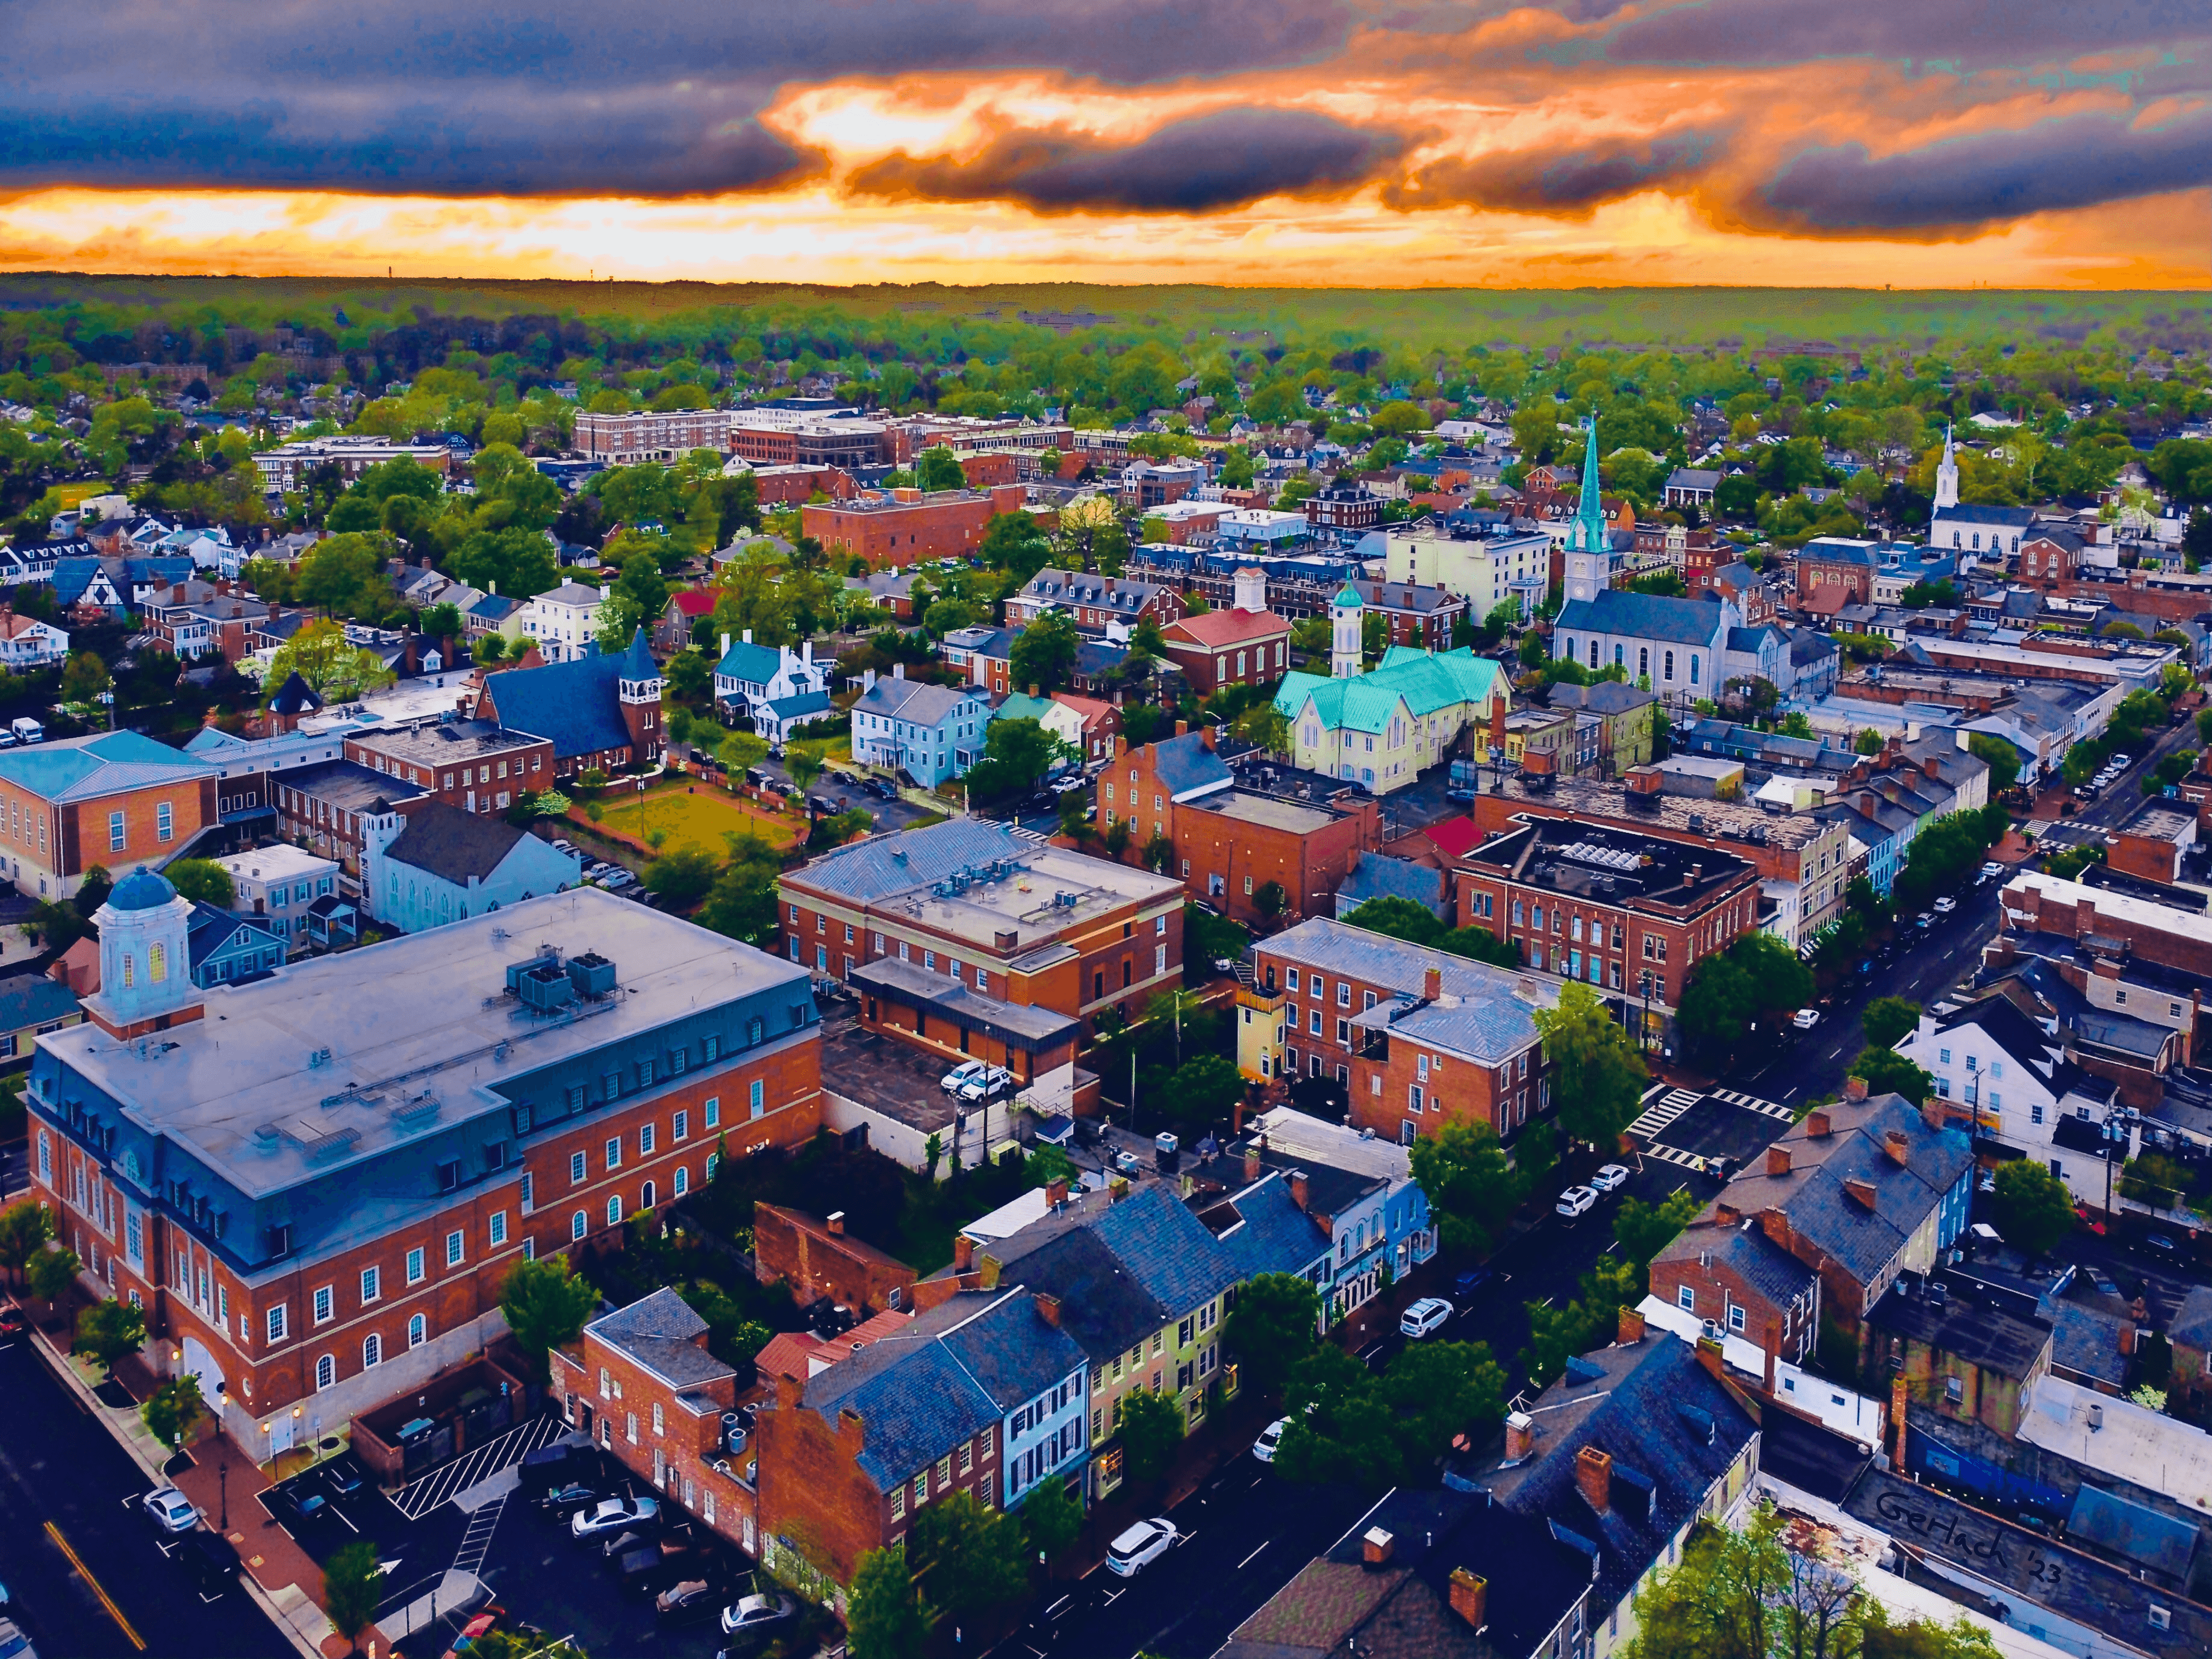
{"x": 700, "y": 819}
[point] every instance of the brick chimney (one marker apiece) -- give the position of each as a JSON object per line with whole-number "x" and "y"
{"x": 1710, "y": 1356}
{"x": 1120, "y": 745}
{"x": 1632, "y": 1327}
{"x": 1725, "y": 1214}
{"x": 1376, "y": 1546}
{"x": 1775, "y": 1223}
{"x": 1253, "y": 1167}
{"x": 1855, "y": 1088}
{"x": 1818, "y": 1124}
{"x": 2127, "y": 1338}
{"x": 1899, "y": 1147}
{"x": 788, "y": 1389}
{"x": 1777, "y": 1160}
{"x": 1117, "y": 1189}
{"x": 1520, "y": 1438}
{"x": 1470, "y": 1598}
{"x": 1860, "y": 1191}
{"x": 1593, "y": 1474}
{"x": 1432, "y": 984}
{"x": 1498, "y": 722}
{"x": 1047, "y": 1308}
{"x": 1055, "y": 1192}
{"x": 1299, "y": 1188}
{"x": 963, "y": 1253}
{"x": 1182, "y": 728}
{"x": 835, "y": 1222}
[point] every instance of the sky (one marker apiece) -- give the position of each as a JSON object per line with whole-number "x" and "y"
{"x": 2046, "y": 144}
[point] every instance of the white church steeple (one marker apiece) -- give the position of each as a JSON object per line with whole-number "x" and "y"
{"x": 1344, "y": 617}
{"x": 1947, "y": 473}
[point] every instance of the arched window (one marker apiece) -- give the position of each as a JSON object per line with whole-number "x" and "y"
{"x": 157, "y": 963}
{"x": 418, "y": 1331}
{"x": 614, "y": 1209}
{"x": 372, "y": 1351}
{"x": 326, "y": 1371}
{"x": 645, "y": 1199}
{"x": 682, "y": 1183}
{"x": 1644, "y": 662}
{"x": 1670, "y": 666}
{"x": 578, "y": 1224}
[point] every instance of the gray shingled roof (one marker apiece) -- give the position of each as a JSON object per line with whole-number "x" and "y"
{"x": 1642, "y": 616}
{"x": 884, "y": 865}
{"x": 452, "y": 845}
{"x": 661, "y": 1333}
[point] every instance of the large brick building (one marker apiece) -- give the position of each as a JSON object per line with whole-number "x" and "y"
{"x": 1241, "y": 644}
{"x": 1232, "y": 834}
{"x": 908, "y": 527}
{"x": 114, "y": 799}
{"x": 1622, "y": 911}
{"x": 1420, "y": 1037}
{"x": 315, "y": 1183}
{"x": 473, "y": 765}
{"x": 599, "y": 711}
{"x": 664, "y": 435}
{"x": 967, "y": 940}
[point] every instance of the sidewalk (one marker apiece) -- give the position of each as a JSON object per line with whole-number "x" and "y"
{"x": 284, "y": 1578}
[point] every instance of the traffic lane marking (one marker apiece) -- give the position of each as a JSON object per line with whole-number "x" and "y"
{"x": 106, "y": 1600}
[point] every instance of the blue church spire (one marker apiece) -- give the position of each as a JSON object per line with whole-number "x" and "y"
{"x": 1589, "y": 534}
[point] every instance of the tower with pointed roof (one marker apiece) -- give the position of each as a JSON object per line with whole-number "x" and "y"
{"x": 638, "y": 691}
{"x": 1588, "y": 549}
{"x": 1346, "y": 615}
{"x": 145, "y": 967}
{"x": 1946, "y": 472}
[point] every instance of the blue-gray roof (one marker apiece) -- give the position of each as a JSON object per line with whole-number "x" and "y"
{"x": 1377, "y": 875}
{"x": 2143, "y": 1536}
{"x": 1830, "y": 550}
{"x": 142, "y": 890}
{"x": 922, "y": 702}
{"x": 884, "y": 865}
{"x": 661, "y": 1332}
{"x": 2015, "y": 518}
{"x": 84, "y": 768}
{"x": 1487, "y": 1013}
{"x": 28, "y": 999}
{"x": 1187, "y": 765}
{"x": 799, "y": 707}
{"x": 1270, "y": 1234}
{"x": 1642, "y": 616}
{"x": 572, "y": 705}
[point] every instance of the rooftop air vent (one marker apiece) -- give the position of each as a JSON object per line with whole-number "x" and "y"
{"x": 591, "y": 974}
{"x": 545, "y": 986}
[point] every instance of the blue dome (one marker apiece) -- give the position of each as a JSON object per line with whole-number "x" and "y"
{"x": 142, "y": 890}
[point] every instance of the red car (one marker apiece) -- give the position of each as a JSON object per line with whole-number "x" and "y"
{"x": 14, "y": 1321}
{"x": 476, "y": 1627}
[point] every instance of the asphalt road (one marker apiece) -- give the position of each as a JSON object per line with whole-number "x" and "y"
{"x": 58, "y": 1465}
{"x": 1245, "y": 1536}
{"x": 2126, "y": 798}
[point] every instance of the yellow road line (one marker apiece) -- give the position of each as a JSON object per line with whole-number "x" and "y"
{"x": 85, "y": 1573}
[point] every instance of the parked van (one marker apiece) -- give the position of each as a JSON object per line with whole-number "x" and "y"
{"x": 27, "y": 730}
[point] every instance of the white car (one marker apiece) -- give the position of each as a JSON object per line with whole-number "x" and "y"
{"x": 756, "y": 1612}
{"x": 171, "y": 1510}
{"x": 1611, "y": 1178}
{"x": 1945, "y": 905}
{"x": 1805, "y": 1018}
{"x": 986, "y": 1083}
{"x": 961, "y": 1075}
{"x": 1575, "y": 1201}
{"x": 2120, "y": 762}
{"x": 1925, "y": 919}
{"x": 1424, "y": 1316}
{"x": 1989, "y": 872}
{"x": 1270, "y": 1438}
{"x": 1141, "y": 1543}
{"x": 611, "y": 1515}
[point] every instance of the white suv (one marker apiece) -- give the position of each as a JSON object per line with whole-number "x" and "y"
{"x": 961, "y": 1075}
{"x": 1141, "y": 1543}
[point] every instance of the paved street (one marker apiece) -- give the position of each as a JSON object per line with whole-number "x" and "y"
{"x": 60, "y": 1468}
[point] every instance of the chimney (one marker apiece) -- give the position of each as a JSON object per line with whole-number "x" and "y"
{"x": 851, "y": 1425}
{"x": 788, "y": 1389}
{"x": 1931, "y": 1114}
{"x": 898, "y": 671}
{"x": 1632, "y": 1327}
{"x": 1817, "y": 1123}
{"x": 836, "y": 1223}
{"x": 1498, "y": 722}
{"x": 1182, "y": 728}
{"x": 1470, "y": 1598}
{"x": 747, "y": 636}
{"x": 1033, "y": 690}
{"x": 1375, "y": 1548}
{"x": 1432, "y": 984}
{"x": 1725, "y": 1214}
{"x": 1775, "y": 1223}
{"x": 1855, "y": 1088}
{"x": 1710, "y": 1356}
{"x": 1860, "y": 1191}
{"x": 1206, "y": 737}
{"x": 1120, "y": 745}
{"x": 1898, "y": 1148}
{"x": 1520, "y": 1438}
{"x": 726, "y": 644}
{"x": 1055, "y": 1192}
{"x": 1593, "y": 1474}
{"x": 1777, "y": 1160}
{"x": 1253, "y": 1167}
{"x": 1117, "y": 1189}
{"x": 963, "y": 1252}
{"x": 1047, "y": 1308}
{"x": 1299, "y": 1188}
{"x": 2127, "y": 1338}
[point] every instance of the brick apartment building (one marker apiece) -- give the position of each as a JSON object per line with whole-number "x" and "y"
{"x": 1092, "y": 602}
{"x": 473, "y": 765}
{"x": 1617, "y": 909}
{"x": 907, "y": 526}
{"x": 1803, "y": 859}
{"x": 197, "y": 619}
{"x": 794, "y": 486}
{"x": 1420, "y": 1038}
{"x": 1350, "y": 508}
{"x": 989, "y": 943}
{"x": 667, "y": 435}
{"x": 2100, "y": 922}
{"x": 115, "y": 799}
{"x": 783, "y": 437}
{"x": 1231, "y": 834}
{"x": 327, "y": 1226}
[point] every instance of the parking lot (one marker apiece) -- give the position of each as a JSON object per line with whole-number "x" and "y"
{"x": 471, "y": 1534}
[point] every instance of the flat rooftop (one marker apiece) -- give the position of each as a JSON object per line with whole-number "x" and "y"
{"x": 1271, "y": 812}
{"x": 418, "y": 1031}
{"x": 444, "y": 742}
{"x": 1731, "y": 820}
{"x": 280, "y": 862}
{"x": 1610, "y": 865}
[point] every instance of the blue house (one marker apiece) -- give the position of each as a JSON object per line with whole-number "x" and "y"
{"x": 930, "y": 733}
{"x": 225, "y": 950}
{"x": 437, "y": 864}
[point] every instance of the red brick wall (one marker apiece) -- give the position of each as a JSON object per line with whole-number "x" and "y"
{"x": 801, "y": 1251}
{"x": 909, "y": 533}
{"x": 1631, "y": 941}
{"x": 1774, "y": 1328}
{"x": 84, "y": 826}
{"x": 527, "y": 768}
{"x": 1453, "y": 1090}
{"x": 1208, "y": 668}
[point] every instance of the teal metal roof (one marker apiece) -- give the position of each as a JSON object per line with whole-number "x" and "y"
{"x": 108, "y": 763}
{"x": 1349, "y": 595}
{"x": 1426, "y": 681}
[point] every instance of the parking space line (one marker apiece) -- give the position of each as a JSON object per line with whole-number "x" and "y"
{"x": 106, "y": 1600}
{"x": 1255, "y": 1556}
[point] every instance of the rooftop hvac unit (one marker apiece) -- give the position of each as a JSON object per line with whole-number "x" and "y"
{"x": 545, "y": 986}
{"x": 592, "y": 973}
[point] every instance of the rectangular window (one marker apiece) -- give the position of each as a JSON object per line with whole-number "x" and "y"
{"x": 681, "y": 1129}
{"x": 614, "y": 1153}
{"x": 759, "y": 1102}
{"x": 325, "y": 1305}
{"x": 576, "y": 1167}
{"x": 414, "y": 1265}
{"x": 372, "y": 1284}
{"x": 645, "y": 1136}
{"x": 165, "y": 822}
{"x": 115, "y": 836}
{"x": 1686, "y": 1299}
{"x": 498, "y": 1229}
{"x": 452, "y": 1249}
{"x": 276, "y": 1325}
{"x": 711, "y": 1112}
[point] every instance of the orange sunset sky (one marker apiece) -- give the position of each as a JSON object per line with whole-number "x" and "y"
{"x": 1945, "y": 142}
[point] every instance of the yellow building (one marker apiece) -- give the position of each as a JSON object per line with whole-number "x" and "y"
{"x": 1383, "y": 728}
{"x": 1259, "y": 1032}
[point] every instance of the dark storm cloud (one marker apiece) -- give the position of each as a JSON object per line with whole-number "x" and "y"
{"x": 560, "y": 99}
{"x": 2075, "y": 163}
{"x": 1571, "y": 181}
{"x": 1966, "y": 34}
{"x": 1210, "y": 162}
